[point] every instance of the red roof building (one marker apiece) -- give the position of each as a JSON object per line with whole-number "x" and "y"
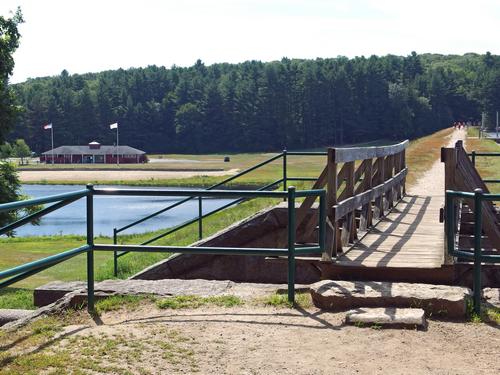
{"x": 94, "y": 153}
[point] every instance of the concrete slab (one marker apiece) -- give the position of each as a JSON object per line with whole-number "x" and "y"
{"x": 167, "y": 287}
{"x": 492, "y": 296}
{"x": 49, "y": 293}
{"x": 442, "y": 300}
{"x": 10, "y": 315}
{"x": 390, "y": 316}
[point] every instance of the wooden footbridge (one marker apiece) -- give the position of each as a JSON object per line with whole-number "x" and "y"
{"x": 377, "y": 231}
{"x": 356, "y": 223}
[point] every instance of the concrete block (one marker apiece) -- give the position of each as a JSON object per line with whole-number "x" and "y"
{"x": 10, "y": 315}
{"x": 390, "y": 316}
{"x": 442, "y": 300}
{"x": 51, "y": 292}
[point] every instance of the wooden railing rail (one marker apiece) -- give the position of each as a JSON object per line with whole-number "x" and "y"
{"x": 362, "y": 183}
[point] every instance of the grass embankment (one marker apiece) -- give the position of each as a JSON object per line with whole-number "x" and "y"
{"x": 488, "y": 166}
{"x": 421, "y": 154}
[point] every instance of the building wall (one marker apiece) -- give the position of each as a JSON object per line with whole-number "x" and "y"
{"x": 77, "y": 159}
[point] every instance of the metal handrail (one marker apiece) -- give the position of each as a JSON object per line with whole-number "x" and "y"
{"x": 194, "y": 220}
{"x": 23, "y": 271}
{"x": 201, "y": 216}
{"x": 477, "y": 257}
{"x": 229, "y": 179}
{"x": 42, "y": 200}
{"x": 475, "y": 154}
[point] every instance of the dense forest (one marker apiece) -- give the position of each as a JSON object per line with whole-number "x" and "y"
{"x": 257, "y": 106}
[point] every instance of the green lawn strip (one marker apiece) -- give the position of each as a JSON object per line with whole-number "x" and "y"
{"x": 488, "y": 166}
{"x": 281, "y": 300}
{"x": 114, "y": 303}
{"x": 192, "y": 302}
{"x": 298, "y": 166}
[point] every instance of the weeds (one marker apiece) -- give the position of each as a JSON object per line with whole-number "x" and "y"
{"x": 193, "y": 302}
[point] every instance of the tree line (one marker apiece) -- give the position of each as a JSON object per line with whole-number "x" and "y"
{"x": 257, "y": 106}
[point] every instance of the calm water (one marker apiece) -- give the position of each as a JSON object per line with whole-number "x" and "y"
{"x": 111, "y": 212}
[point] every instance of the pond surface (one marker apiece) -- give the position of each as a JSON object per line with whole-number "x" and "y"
{"x": 111, "y": 212}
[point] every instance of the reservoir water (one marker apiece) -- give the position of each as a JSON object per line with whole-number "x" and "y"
{"x": 111, "y": 212}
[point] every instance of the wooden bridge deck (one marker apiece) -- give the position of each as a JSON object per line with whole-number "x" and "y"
{"x": 409, "y": 236}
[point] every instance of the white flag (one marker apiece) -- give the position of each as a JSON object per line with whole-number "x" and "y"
{"x": 48, "y": 126}
{"x": 114, "y": 126}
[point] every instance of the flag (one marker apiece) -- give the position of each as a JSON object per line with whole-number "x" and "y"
{"x": 114, "y": 126}
{"x": 48, "y": 126}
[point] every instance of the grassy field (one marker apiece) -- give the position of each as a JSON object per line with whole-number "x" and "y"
{"x": 488, "y": 167}
{"x": 422, "y": 153}
{"x": 309, "y": 166}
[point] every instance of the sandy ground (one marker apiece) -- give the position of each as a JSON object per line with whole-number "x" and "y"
{"x": 126, "y": 175}
{"x": 267, "y": 340}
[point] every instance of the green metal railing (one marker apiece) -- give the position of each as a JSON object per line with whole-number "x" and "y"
{"x": 475, "y": 154}
{"x": 452, "y": 240}
{"x": 18, "y": 273}
{"x": 199, "y": 218}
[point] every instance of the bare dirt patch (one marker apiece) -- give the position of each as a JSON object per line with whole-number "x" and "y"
{"x": 257, "y": 339}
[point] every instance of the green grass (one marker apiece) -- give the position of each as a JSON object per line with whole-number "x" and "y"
{"x": 488, "y": 166}
{"x": 16, "y": 251}
{"x": 192, "y": 302}
{"x": 297, "y": 166}
{"x": 114, "y": 303}
{"x": 16, "y": 298}
{"x": 281, "y": 300}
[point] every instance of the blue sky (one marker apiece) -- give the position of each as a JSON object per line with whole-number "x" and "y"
{"x": 90, "y": 36}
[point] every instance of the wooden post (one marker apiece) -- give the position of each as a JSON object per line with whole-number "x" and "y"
{"x": 379, "y": 179}
{"x": 366, "y": 210}
{"x": 349, "y": 224}
{"x": 403, "y": 166}
{"x": 449, "y": 158}
{"x": 331, "y": 199}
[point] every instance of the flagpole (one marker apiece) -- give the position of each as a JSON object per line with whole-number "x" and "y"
{"x": 117, "y": 145}
{"x": 52, "y": 141}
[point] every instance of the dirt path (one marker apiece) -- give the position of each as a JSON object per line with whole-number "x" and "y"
{"x": 432, "y": 182}
{"x": 266, "y": 340}
{"x": 89, "y": 176}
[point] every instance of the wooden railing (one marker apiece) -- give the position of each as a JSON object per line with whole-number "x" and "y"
{"x": 364, "y": 181}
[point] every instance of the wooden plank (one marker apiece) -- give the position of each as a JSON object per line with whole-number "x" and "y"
{"x": 348, "y": 154}
{"x": 366, "y": 209}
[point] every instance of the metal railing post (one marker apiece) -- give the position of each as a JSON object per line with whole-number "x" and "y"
{"x": 478, "y": 202}
{"x": 291, "y": 244}
{"x": 284, "y": 172}
{"x": 90, "y": 252}
{"x": 115, "y": 253}
{"x": 200, "y": 218}
{"x": 473, "y": 157}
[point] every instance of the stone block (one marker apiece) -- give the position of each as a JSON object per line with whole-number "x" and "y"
{"x": 11, "y": 315}
{"x": 441, "y": 300}
{"x": 389, "y": 316}
{"x": 51, "y": 292}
